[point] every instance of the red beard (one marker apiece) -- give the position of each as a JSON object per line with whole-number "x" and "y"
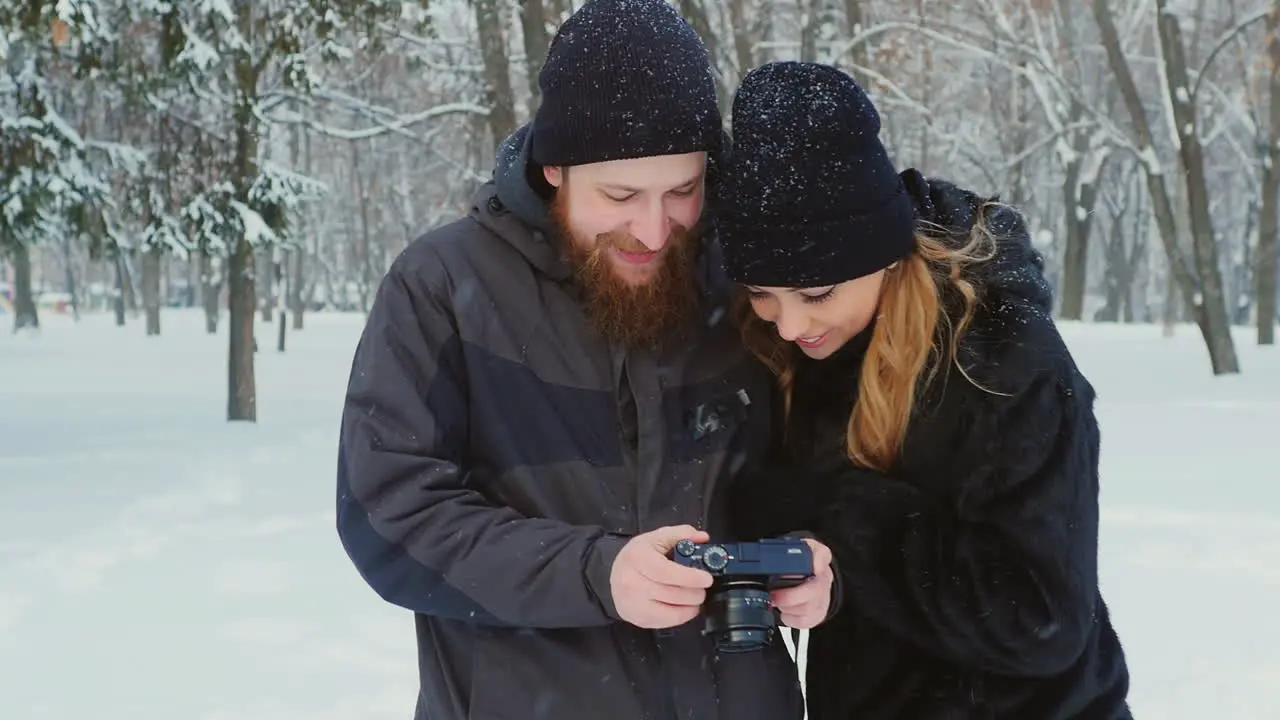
{"x": 633, "y": 316}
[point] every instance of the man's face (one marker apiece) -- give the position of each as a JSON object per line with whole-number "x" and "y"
{"x": 629, "y": 229}
{"x": 633, "y": 207}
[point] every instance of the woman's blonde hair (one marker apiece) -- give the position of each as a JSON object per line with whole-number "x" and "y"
{"x": 918, "y": 299}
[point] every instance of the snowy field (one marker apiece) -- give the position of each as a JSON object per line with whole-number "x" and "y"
{"x": 158, "y": 563}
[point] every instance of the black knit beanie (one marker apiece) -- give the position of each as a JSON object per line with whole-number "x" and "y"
{"x": 625, "y": 79}
{"x": 809, "y": 197}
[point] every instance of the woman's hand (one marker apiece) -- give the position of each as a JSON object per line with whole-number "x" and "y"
{"x": 806, "y": 606}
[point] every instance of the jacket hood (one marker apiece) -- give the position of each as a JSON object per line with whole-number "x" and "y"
{"x": 1017, "y": 270}
{"x": 510, "y": 207}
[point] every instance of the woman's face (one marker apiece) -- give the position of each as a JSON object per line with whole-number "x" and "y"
{"x": 821, "y": 319}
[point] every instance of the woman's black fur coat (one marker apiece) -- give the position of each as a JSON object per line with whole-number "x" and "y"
{"x": 967, "y": 578}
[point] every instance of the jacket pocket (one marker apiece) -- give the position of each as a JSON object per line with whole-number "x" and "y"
{"x": 569, "y": 674}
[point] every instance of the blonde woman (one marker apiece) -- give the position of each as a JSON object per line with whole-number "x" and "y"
{"x": 944, "y": 440}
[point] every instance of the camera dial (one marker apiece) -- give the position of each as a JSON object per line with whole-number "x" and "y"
{"x": 715, "y": 557}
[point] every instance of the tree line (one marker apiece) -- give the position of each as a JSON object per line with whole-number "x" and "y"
{"x": 273, "y": 156}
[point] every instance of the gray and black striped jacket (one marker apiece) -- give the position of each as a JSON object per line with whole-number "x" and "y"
{"x": 496, "y": 454}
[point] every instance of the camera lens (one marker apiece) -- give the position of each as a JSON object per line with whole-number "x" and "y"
{"x": 739, "y": 616}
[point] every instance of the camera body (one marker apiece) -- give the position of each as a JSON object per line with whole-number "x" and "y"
{"x": 738, "y": 612}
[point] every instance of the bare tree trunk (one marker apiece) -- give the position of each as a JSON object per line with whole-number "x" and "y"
{"x": 855, "y": 22}
{"x": 1242, "y": 286}
{"x": 241, "y": 395}
{"x": 364, "y": 248}
{"x": 1184, "y": 307}
{"x": 1265, "y": 271}
{"x": 1075, "y": 253}
{"x": 1170, "y": 314}
{"x": 241, "y": 277}
{"x": 533, "y": 20}
{"x": 766, "y": 31}
{"x": 262, "y": 268}
{"x": 409, "y": 220}
{"x": 25, "y": 314}
{"x": 925, "y": 81}
{"x": 497, "y": 71}
{"x": 280, "y": 260}
{"x": 122, "y": 285}
{"x": 297, "y": 301}
{"x": 1117, "y": 279}
{"x": 68, "y": 266}
{"x": 195, "y": 294}
{"x": 810, "y": 12}
{"x": 1118, "y": 272}
{"x": 695, "y": 12}
{"x": 1203, "y": 293}
{"x": 1211, "y": 304}
{"x": 1141, "y": 234}
{"x": 743, "y": 37}
{"x": 1080, "y": 196}
{"x": 151, "y": 289}
{"x": 127, "y": 285}
{"x": 211, "y": 291}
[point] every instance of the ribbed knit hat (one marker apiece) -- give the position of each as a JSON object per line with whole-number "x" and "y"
{"x": 625, "y": 79}
{"x": 809, "y": 196}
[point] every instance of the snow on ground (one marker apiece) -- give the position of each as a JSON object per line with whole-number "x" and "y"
{"x": 159, "y": 563}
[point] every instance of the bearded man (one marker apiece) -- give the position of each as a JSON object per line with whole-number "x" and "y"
{"x": 544, "y": 402}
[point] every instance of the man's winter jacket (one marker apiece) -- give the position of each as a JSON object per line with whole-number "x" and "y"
{"x": 969, "y": 573}
{"x": 495, "y": 456}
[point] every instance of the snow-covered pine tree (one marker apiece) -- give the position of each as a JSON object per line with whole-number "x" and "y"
{"x": 146, "y": 81}
{"x": 252, "y": 56}
{"x": 53, "y": 181}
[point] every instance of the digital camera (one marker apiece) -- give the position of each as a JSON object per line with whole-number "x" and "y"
{"x": 739, "y": 616}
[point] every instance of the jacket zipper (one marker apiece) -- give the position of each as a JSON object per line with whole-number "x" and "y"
{"x": 632, "y": 451}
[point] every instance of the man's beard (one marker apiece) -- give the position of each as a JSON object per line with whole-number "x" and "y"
{"x": 633, "y": 316}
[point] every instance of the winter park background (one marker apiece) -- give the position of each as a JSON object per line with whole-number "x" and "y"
{"x": 183, "y": 180}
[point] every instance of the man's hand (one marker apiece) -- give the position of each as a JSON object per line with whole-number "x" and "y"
{"x": 650, "y": 590}
{"x": 806, "y": 606}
